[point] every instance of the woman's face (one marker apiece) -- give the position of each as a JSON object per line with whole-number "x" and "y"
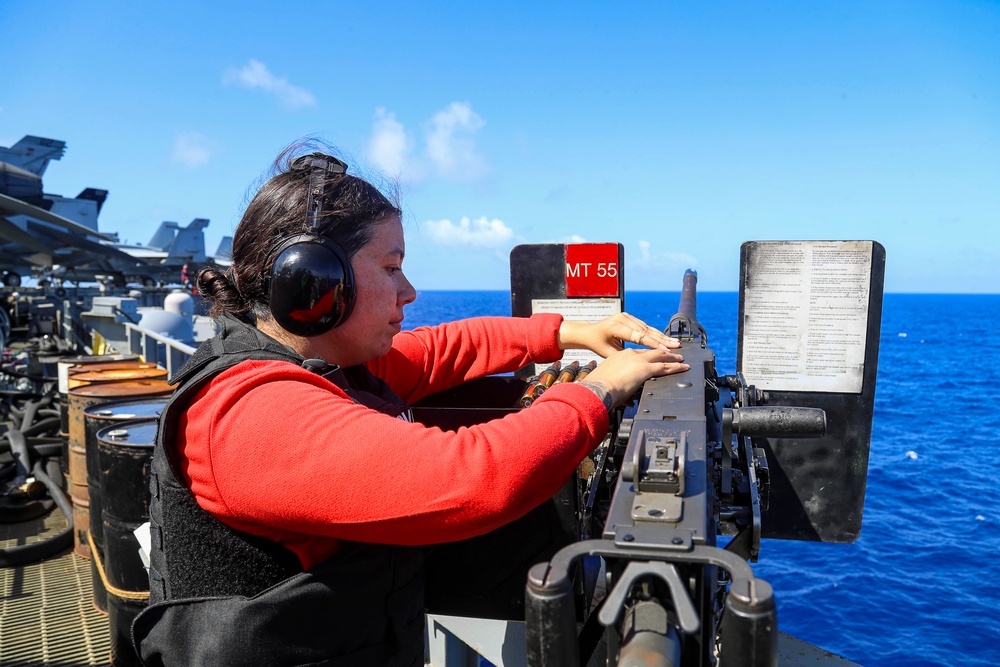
{"x": 382, "y": 291}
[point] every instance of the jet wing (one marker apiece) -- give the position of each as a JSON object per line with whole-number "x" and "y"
{"x": 106, "y": 251}
{"x": 11, "y": 233}
{"x": 12, "y": 206}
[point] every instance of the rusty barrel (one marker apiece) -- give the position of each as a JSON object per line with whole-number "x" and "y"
{"x": 97, "y": 417}
{"x": 80, "y": 398}
{"x": 121, "y": 371}
{"x": 78, "y": 363}
{"x": 62, "y": 373}
{"x": 125, "y": 452}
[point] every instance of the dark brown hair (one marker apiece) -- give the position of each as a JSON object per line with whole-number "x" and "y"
{"x": 351, "y": 208}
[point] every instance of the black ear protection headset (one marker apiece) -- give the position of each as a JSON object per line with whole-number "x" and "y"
{"x": 311, "y": 285}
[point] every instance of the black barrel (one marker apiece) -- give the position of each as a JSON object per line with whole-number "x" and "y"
{"x": 81, "y": 398}
{"x": 125, "y": 452}
{"x": 97, "y": 417}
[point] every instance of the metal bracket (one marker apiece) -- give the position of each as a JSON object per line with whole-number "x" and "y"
{"x": 687, "y": 616}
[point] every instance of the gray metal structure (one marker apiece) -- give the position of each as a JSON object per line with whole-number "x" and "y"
{"x": 456, "y": 641}
{"x": 56, "y": 238}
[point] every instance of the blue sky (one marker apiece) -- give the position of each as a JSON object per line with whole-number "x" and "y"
{"x": 678, "y": 129}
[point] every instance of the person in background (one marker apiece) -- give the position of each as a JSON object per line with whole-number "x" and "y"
{"x": 292, "y": 492}
{"x": 185, "y": 277}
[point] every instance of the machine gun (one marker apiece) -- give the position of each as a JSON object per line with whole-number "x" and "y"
{"x": 683, "y": 471}
{"x": 689, "y": 480}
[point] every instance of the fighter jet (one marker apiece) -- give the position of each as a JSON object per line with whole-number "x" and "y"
{"x": 31, "y": 222}
{"x": 57, "y": 238}
{"x": 171, "y": 248}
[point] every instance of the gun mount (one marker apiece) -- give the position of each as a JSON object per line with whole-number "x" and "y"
{"x": 645, "y": 557}
{"x": 685, "y": 472}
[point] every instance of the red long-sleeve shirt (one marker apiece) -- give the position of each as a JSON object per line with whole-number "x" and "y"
{"x": 273, "y": 450}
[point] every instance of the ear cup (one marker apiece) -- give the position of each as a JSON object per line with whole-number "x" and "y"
{"x": 311, "y": 285}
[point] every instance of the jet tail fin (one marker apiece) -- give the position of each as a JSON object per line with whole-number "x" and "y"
{"x": 164, "y": 235}
{"x": 94, "y": 194}
{"x": 225, "y": 249}
{"x": 33, "y": 153}
{"x": 189, "y": 243}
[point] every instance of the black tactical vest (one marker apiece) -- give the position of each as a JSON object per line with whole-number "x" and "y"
{"x": 223, "y": 597}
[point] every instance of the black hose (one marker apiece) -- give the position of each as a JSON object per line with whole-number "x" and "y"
{"x": 43, "y": 450}
{"x": 46, "y": 470}
{"x": 36, "y": 551}
{"x": 30, "y": 410}
{"x": 121, "y": 312}
{"x": 50, "y": 424}
{"x": 34, "y": 441}
{"x": 19, "y": 450}
{"x": 50, "y": 450}
{"x": 16, "y": 416}
{"x": 37, "y": 447}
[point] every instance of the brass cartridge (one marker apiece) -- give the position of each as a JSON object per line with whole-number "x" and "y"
{"x": 568, "y": 374}
{"x": 585, "y": 371}
{"x": 538, "y": 385}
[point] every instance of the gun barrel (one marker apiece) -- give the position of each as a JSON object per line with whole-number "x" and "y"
{"x": 685, "y": 322}
{"x": 689, "y": 295}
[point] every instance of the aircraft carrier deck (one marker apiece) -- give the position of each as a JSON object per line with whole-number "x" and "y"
{"x": 47, "y": 615}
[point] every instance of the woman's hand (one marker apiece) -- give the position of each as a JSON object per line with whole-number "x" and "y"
{"x": 617, "y": 378}
{"x": 610, "y": 334}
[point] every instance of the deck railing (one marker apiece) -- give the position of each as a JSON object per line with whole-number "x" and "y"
{"x": 157, "y": 348}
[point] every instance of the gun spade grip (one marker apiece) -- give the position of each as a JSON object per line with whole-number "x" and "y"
{"x": 778, "y": 422}
{"x": 550, "y": 621}
{"x": 749, "y": 634}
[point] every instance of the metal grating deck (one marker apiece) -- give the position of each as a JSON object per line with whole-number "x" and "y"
{"x": 47, "y": 617}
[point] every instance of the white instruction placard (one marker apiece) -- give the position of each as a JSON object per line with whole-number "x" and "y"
{"x": 805, "y": 315}
{"x": 585, "y": 310}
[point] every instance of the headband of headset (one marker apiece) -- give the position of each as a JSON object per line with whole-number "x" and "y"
{"x": 321, "y": 168}
{"x": 311, "y": 285}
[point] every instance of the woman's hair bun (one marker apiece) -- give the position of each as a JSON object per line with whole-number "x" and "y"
{"x": 215, "y": 286}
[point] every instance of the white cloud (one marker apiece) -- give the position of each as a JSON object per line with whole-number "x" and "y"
{"x": 390, "y": 146}
{"x": 256, "y": 75}
{"x": 648, "y": 259}
{"x": 449, "y": 149}
{"x": 572, "y": 238}
{"x": 644, "y": 247}
{"x": 192, "y": 149}
{"x": 451, "y": 145}
{"x": 479, "y": 233}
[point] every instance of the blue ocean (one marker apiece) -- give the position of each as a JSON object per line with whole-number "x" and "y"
{"x": 920, "y": 586}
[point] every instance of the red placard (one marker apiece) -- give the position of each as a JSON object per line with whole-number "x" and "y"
{"x": 592, "y": 269}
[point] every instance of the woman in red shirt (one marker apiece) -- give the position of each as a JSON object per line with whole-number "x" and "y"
{"x": 291, "y": 490}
